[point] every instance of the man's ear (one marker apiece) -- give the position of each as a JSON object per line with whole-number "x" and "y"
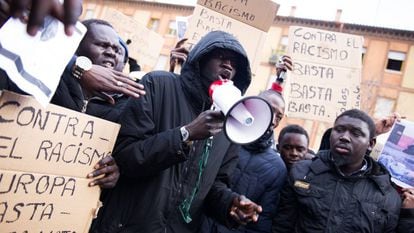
{"x": 372, "y": 143}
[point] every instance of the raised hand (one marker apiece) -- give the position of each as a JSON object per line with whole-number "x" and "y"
{"x": 34, "y": 12}
{"x": 178, "y": 54}
{"x": 102, "y": 81}
{"x": 408, "y": 198}
{"x": 385, "y": 124}
{"x": 284, "y": 64}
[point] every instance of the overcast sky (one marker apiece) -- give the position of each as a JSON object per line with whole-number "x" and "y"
{"x": 398, "y": 14}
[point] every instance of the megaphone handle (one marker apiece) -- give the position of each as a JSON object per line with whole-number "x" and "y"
{"x": 281, "y": 77}
{"x": 214, "y": 107}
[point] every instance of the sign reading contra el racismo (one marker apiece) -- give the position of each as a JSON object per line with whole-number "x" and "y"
{"x": 45, "y": 156}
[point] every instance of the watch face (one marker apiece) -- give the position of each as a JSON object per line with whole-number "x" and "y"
{"x": 84, "y": 63}
{"x": 184, "y": 134}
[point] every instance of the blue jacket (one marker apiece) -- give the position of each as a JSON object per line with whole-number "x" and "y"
{"x": 260, "y": 176}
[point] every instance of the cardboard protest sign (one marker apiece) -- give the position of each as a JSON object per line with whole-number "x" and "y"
{"x": 35, "y": 63}
{"x": 398, "y": 154}
{"x": 326, "y": 75}
{"x": 247, "y": 20}
{"x": 45, "y": 156}
{"x": 145, "y": 44}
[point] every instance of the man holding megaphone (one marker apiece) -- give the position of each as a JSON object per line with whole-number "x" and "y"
{"x": 175, "y": 160}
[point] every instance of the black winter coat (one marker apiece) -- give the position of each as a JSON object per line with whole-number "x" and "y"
{"x": 260, "y": 175}
{"x": 157, "y": 172}
{"x": 318, "y": 198}
{"x": 406, "y": 222}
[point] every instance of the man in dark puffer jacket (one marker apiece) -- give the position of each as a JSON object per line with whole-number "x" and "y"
{"x": 342, "y": 190}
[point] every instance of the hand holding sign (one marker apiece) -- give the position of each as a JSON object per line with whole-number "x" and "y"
{"x": 68, "y": 12}
{"x": 284, "y": 64}
{"x": 408, "y": 198}
{"x": 178, "y": 54}
{"x": 108, "y": 168}
{"x": 385, "y": 124}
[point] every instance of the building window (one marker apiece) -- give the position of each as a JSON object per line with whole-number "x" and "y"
{"x": 383, "y": 107}
{"x": 153, "y": 24}
{"x": 395, "y": 60}
{"x": 172, "y": 28}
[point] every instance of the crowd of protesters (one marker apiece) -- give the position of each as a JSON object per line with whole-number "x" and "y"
{"x": 173, "y": 168}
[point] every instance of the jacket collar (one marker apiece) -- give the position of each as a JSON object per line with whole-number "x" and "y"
{"x": 321, "y": 163}
{"x": 376, "y": 172}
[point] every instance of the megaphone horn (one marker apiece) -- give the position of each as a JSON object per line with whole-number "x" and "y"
{"x": 246, "y": 119}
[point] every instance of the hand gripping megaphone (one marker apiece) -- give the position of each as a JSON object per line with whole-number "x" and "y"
{"x": 246, "y": 119}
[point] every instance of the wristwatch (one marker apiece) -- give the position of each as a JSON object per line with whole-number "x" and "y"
{"x": 82, "y": 64}
{"x": 184, "y": 134}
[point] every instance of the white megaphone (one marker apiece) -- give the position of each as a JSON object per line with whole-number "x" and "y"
{"x": 246, "y": 119}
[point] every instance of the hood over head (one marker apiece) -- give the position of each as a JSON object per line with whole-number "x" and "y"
{"x": 191, "y": 74}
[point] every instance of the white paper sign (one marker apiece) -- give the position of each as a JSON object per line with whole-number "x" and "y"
{"x": 398, "y": 154}
{"x": 35, "y": 64}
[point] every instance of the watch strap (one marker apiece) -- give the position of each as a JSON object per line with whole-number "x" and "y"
{"x": 78, "y": 72}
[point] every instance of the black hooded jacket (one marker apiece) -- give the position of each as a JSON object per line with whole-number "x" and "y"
{"x": 157, "y": 171}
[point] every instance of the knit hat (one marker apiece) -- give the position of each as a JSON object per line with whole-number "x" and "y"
{"x": 123, "y": 44}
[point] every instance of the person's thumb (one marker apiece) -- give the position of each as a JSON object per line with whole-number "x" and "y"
{"x": 259, "y": 208}
{"x": 107, "y": 97}
{"x": 243, "y": 200}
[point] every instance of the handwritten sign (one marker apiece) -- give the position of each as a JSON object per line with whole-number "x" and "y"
{"x": 45, "y": 155}
{"x": 326, "y": 76}
{"x": 247, "y": 20}
{"x": 145, "y": 44}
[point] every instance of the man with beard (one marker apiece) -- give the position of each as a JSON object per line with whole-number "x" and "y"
{"x": 343, "y": 189}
